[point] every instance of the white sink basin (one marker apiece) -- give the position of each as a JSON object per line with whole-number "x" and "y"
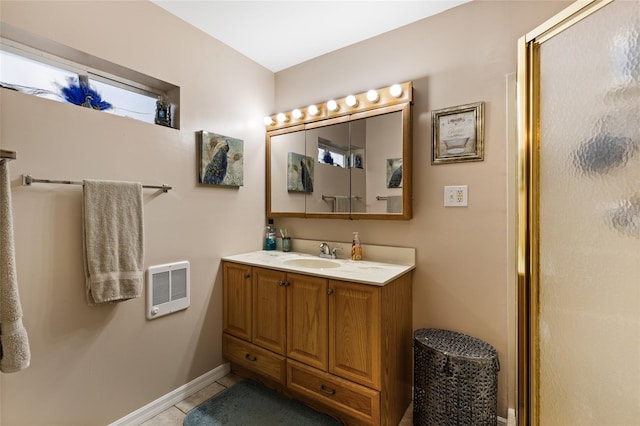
{"x": 312, "y": 263}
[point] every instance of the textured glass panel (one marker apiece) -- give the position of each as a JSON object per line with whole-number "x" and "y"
{"x": 589, "y": 235}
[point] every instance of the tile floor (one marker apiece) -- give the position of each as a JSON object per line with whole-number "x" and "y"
{"x": 174, "y": 416}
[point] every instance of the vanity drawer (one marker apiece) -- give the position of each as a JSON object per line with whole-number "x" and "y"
{"x": 254, "y": 358}
{"x": 358, "y": 402}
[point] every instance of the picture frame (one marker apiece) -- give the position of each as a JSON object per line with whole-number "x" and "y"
{"x": 458, "y": 134}
{"x": 163, "y": 113}
{"x": 300, "y": 172}
{"x": 394, "y": 172}
{"x": 220, "y": 159}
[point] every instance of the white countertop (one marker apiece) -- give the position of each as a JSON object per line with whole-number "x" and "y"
{"x": 366, "y": 272}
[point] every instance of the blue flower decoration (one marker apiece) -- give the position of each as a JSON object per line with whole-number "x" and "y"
{"x": 80, "y": 93}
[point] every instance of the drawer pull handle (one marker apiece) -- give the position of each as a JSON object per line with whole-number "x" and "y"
{"x": 251, "y": 358}
{"x": 326, "y": 390}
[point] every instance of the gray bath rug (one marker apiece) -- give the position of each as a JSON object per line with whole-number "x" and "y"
{"x": 250, "y": 403}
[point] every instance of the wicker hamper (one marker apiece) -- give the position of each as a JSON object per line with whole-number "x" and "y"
{"x": 455, "y": 379}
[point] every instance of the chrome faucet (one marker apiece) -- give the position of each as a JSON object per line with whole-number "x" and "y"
{"x": 327, "y": 252}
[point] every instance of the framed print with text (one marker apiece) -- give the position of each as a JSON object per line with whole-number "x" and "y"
{"x": 458, "y": 134}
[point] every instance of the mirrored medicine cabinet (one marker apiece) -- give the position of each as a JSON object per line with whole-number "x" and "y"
{"x": 352, "y": 159}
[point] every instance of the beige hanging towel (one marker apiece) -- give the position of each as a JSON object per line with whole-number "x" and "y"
{"x": 113, "y": 240}
{"x": 394, "y": 204}
{"x": 341, "y": 204}
{"x": 15, "y": 354}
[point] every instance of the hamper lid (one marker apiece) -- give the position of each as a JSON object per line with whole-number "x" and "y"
{"x": 451, "y": 343}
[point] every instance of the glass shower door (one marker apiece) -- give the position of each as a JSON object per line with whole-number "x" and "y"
{"x": 584, "y": 229}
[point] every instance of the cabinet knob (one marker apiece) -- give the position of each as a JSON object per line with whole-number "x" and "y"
{"x": 251, "y": 358}
{"x": 247, "y": 275}
{"x": 326, "y": 390}
{"x": 329, "y": 292}
{"x": 284, "y": 284}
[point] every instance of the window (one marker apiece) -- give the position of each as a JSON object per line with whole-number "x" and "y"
{"x": 330, "y": 153}
{"x": 328, "y": 156}
{"x": 39, "y": 73}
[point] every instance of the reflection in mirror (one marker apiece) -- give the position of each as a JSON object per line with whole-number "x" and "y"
{"x": 330, "y": 147}
{"x": 379, "y": 183}
{"x": 291, "y": 173}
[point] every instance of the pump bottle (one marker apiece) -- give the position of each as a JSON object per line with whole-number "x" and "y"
{"x": 356, "y": 247}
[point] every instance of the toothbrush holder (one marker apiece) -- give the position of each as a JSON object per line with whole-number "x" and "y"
{"x": 286, "y": 244}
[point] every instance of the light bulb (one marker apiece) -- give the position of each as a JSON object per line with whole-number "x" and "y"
{"x": 351, "y": 101}
{"x": 281, "y": 117}
{"x": 372, "y": 96}
{"x": 313, "y": 110}
{"x": 268, "y": 121}
{"x": 297, "y": 114}
{"x": 332, "y": 105}
{"x": 396, "y": 90}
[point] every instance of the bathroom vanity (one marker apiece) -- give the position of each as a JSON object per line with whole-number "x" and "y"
{"x": 334, "y": 334}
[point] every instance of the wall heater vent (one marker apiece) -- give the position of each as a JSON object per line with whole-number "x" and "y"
{"x": 167, "y": 289}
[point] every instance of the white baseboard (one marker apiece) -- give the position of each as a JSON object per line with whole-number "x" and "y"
{"x": 510, "y": 420}
{"x": 156, "y": 407}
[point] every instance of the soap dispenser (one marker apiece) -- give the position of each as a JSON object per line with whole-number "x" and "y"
{"x": 270, "y": 236}
{"x": 356, "y": 247}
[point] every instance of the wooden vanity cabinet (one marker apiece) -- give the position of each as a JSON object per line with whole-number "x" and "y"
{"x": 254, "y": 320}
{"x": 254, "y": 305}
{"x": 370, "y": 332}
{"x": 343, "y": 348}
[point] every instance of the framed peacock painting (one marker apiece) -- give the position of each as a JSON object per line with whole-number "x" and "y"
{"x": 220, "y": 159}
{"x": 394, "y": 172}
{"x": 299, "y": 172}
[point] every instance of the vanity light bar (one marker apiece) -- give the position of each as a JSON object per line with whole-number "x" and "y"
{"x": 375, "y": 98}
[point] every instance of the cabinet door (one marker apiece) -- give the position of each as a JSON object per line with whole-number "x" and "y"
{"x": 354, "y": 332}
{"x": 307, "y": 320}
{"x": 236, "y": 289}
{"x": 269, "y": 309}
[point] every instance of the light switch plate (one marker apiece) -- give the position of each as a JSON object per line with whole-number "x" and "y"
{"x": 455, "y": 196}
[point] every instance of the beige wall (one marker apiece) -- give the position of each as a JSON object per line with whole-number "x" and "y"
{"x": 94, "y": 365}
{"x": 463, "y": 262}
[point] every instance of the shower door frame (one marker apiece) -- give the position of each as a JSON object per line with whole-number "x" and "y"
{"x": 528, "y": 126}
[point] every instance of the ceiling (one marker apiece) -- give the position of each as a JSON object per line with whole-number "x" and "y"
{"x": 280, "y": 34}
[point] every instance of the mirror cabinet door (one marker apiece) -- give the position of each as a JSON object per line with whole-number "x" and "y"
{"x": 328, "y": 145}
{"x": 289, "y": 174}
{"x": 376, "y": 180}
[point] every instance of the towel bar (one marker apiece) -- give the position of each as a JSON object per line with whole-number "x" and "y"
{"x": 27, "y": 180}
{"x": 333, "y": 197}
{"x": 381, "y": 197}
